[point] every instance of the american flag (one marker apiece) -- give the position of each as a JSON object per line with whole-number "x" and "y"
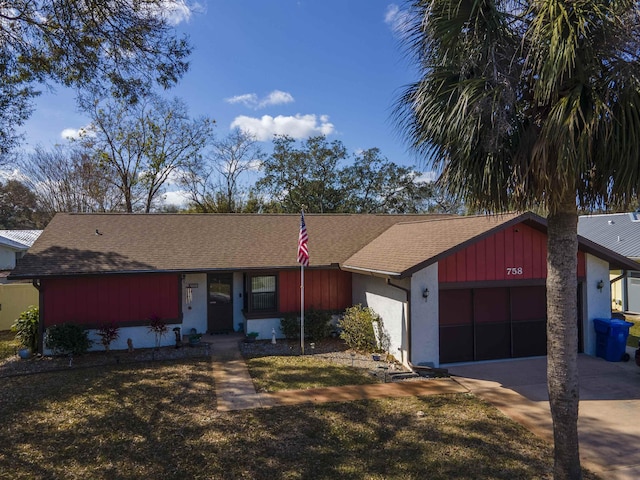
{"x": 303, "y": 251}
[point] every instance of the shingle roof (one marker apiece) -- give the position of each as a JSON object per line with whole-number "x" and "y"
{"x": 180, "y": 242}
{"x": 20, "y": 239}
{"x": 619, "y": 232}
{"x": 77, "y": 244}
{"x": 406, "y": 247}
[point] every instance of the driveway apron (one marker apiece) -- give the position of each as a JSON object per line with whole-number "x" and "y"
{"x": 609, "y": 412}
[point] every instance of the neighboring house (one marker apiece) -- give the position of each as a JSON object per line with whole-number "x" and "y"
{"x": 448, "y": 288}
{"x": 13, "y": 245}
{"x": 619, "y": 232}
{"x": 14, "y": 298}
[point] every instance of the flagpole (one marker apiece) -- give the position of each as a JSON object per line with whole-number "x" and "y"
{"x": 303, "y": 259}
{"x": 302, "y": 308}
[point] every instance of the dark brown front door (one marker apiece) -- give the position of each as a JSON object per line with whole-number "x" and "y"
{"x": 220, "y": 303}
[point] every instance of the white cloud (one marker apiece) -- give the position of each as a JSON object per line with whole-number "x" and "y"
{"x": 76, "y": 133}
{"x": 175, "y": 11}
{"x": 426, "y": 177}
{"x": 296, "y": 126}
{"x": 397, "y": 19}
{"x": 176, "y": 197}
{"x": 251, "y": 100}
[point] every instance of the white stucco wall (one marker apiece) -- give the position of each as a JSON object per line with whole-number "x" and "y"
{"x": 140, "y": 336}
{"x": 425, "y": 344}
{"x": 194, "y": 314}
{"x": 597, "y": 303}
{"x": 389, "y": 303}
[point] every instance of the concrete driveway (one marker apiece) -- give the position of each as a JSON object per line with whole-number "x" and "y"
{"x": 609, "y": 416}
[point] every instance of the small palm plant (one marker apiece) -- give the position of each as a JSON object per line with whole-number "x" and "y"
{"x": 108, "y": 332}
{"x": 159, "y": 328}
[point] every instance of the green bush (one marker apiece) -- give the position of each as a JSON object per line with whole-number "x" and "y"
{"x": 68, "y": 339}
{"x": 316, "y": 324}
{"x": 357, "y": 328}
{"x": 290, "y": 326}
{"x": 26, "y": 328}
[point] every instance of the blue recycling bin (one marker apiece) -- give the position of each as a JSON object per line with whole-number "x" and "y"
{"x": 611, "y": 338}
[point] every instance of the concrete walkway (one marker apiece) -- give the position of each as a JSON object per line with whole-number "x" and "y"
{"x": 609, "y": 399}
{"x": 235, "y": 390}
{"x": 609, "y": 409}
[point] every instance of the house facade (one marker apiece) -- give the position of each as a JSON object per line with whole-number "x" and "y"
{"x": 619, "y": 232}
{"x": 448, "y": 288}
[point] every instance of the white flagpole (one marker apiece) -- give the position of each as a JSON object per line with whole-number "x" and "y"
{"x": 302, "y": 309}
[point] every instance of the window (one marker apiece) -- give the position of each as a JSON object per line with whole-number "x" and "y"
{"x": 263, "y": 293}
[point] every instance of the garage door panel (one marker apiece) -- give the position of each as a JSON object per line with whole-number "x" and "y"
{"x": 456, "y": 344}
{"x": 530, "y": 338}
{"x": 491, "y": 305}
{"x": 493, "y": 341}
{"x": 455, "y": 307}
{"x": 492, "y": 323}
{"x": 528, "y": 303}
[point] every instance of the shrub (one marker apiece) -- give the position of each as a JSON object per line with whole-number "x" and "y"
{"x": 108, "y": 332}
{"x": 316, "y": 324}
{"x": 357, "y": 328}
{"x": 290, "y": 326}
{"x": 68, "y": 339}
{"x": 26, "y": 328}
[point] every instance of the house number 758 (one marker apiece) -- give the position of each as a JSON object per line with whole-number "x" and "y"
{"x": 514, "y": 270}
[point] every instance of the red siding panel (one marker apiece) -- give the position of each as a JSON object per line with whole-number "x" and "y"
{"x": 121, "y": 299}
{"x": 323, "y": 290}
{"x": 517, "y": 253}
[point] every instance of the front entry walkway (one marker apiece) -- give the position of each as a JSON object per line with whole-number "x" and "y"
{"x": 235, "y": 390}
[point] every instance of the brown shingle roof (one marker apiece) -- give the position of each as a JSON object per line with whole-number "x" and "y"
{"x": 406, "y": 247}
{"x": 180, "y": 242}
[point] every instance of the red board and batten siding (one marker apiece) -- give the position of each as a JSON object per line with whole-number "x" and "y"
{"x": 515, "y": 253}
{"x": 323, "y": 290}
{"x": 119, "y": 298}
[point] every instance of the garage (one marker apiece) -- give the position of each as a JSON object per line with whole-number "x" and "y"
{"x": 492, "y": 323}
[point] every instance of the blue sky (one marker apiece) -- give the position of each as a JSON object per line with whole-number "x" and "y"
{"x": 300, "y": 67}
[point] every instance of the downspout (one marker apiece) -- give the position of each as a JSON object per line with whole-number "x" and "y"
{"x": 407, "y": 292}
{"x": 38, "y": 286}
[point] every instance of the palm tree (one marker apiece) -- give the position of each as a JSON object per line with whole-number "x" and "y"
{"x": 532, "y": 104}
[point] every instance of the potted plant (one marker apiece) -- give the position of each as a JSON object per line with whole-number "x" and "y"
{"x": 251, "y": 337}
{"x": 26, "y": 330}
{"x": 194, "y": 337}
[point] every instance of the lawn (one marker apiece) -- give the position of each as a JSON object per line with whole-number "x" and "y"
{"x": 8, "y": 344}
{"x": 275, "y": 373}
{"x": 158, "y": 420}
{"x": 634, "y": 333}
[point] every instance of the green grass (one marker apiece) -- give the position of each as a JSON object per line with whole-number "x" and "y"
{"x": 158, "y": 420}
{"x": 634, "y": 333}
{"x": 275, "y": 373}
{"x": 8, "y": 344}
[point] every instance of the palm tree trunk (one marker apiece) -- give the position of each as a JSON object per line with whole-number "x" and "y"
{"x": 562, "y": 337}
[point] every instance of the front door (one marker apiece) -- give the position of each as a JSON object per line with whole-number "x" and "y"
{"x": 220, "y": 303}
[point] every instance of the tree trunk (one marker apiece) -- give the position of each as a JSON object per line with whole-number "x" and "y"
{"x": 562, "y": 337}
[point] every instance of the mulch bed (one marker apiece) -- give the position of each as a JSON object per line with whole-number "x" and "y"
{"x": 13, "y": 366}
{"x": 332, "y": 349}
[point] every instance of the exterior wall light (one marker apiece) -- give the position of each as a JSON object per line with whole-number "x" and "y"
{"x": 600, "y": 285}
{"x": 425, "y": 294}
